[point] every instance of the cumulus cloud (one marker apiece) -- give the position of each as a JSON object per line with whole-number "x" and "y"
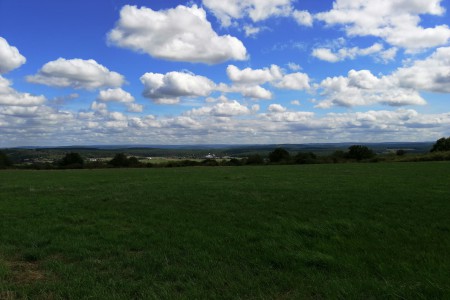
{"x": 248, "y": 81}
{"x": 222, "y": 109}
{"x": 257, "y": 10}
{"x": 294, "y": 81}
{"x": 10, "y": 57}
{"x": 363, "y": 88}
{"x": 247, "y": 90}
{"x": 303, "y": 17}
{"x": 431, "y": 74}
{"x": 76, "y": 73}
{"x": 327, "y": 54}
{"x": 254, "y": 76}
{"x": 115, "y": 95}
{"x": 10, "y": 97}
{"x": 178, "y": 34}
{"x": 169, "y": 88}
{"x": 396, "y": 21}
{"x": 276, "y": 108}
{"x": 134, "y": 107}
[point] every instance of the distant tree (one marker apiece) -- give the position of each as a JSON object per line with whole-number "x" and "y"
{"x": 338, "y": 156}
{"x": 305, "y": 158}
{"x": 442, "y": 144}
{"x": 359, "y": 152}
{"x": 119, "y": 160}
{"x": 400, "y": 152}
{"x": 133, "y": 162}
{"x": 72, "y": 160}
{"x": 254, "y": 159}
{"x": 4, "y": 160}
{"x": 279, "y": 155}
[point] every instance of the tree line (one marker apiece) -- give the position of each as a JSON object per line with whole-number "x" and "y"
{"x": 355, "y": 153}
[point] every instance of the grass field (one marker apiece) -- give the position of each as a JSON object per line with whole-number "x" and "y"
{"x": 344, "y": 231}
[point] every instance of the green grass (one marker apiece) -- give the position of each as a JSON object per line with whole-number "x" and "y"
{"x": 345, "y": 231}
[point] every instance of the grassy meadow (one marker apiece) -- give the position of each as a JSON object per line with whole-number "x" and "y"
{"x": 331, "y": 231}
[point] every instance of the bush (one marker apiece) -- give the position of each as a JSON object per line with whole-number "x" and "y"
{"x": 72, "y": 160}
{"x": 279, "y": 155}
{"x": 254, "y": 159}
{"x": 120, "y": 160}
{"x": 359, "y": 152}
{"x": 5, "y": 162}
{"x": 305, "y": 158}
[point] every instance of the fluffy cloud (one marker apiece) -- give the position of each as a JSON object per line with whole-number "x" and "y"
{"x": 168, "y": 88}
{"x": 431, "y": 74}
{"x": 10, "y": 58}
{"x": 363, "y": 88}
{"x": 257, "y": 10}
{"x": 115, "y": 95}
{"x": 276, "y": 108}
{"x": 222, "y": 109}
{"x": 247, "y": 81}
{"x": 327, "y": 54}
{"x": 303, "y": 17}
{"x": 178, "y": 34}
{"x": 11, "y": 97}
{"x": 396, "y": 21}
{"x": 254, "y": 76}
{"x": 76, "y": 73}
{"x": 294, "y": 81}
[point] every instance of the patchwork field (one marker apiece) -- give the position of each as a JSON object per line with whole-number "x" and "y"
{"x": 348, "y": 231}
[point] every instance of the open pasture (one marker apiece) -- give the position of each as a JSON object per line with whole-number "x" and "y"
{"x": 348, "y": 231}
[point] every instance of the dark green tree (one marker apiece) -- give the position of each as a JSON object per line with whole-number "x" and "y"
{"x": 254, "y": 159}
{"x": 305, "y": 158}
{"x": 72, "y": 160}
{"x": 442, "y": 144}
{"x": 5, "y": 162}
{"x": 279, "y": 155}
{"x": 119, "y": 160}
{"x": 359, "y": 152}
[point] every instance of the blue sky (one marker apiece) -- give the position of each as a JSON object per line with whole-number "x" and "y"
{"x": 212, "y": 71}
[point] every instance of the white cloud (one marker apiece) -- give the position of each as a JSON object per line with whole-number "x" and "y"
{"x": 222, "y": 109}
{"x": 363, "y": 88}
{"x": 168, "y": 88}
{"x": 293, "y": 66}
{"x": 178, "y": 34}
{"x": 134, "y": 107}
{"x": 76, "y": 73}
{"x": 251, "y": 30}
{"x": 254, "y": 76}
{"x": 247, "y": 90}
{"x": 276, "y": 108}
{"x": 257, "y": 10}
{"x": 295, "y": 102}
{"x": 327, "y": 54}
{"x": 294, "y": 81}
{"x": 10, "y": 57}
{"x": 396, "y": 21}
{"x": 431, "y": 74}
{"x": 303, "y": 17}
{"x": 115, "y": 95}
{"x": 11, "y": 97}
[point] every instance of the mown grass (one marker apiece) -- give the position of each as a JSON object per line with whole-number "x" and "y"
{"x": 345, "y": 231}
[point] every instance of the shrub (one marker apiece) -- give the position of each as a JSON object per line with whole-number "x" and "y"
{"x": 359, "y": 152}
{"x": 72, "y": 160}
{"x": 279, "y": 155}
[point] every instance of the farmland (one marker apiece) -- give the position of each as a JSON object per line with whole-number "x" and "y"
{"x": 350, "y": 231}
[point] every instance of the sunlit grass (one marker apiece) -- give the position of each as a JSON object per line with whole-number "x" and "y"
{"x": 350, "y": 231}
